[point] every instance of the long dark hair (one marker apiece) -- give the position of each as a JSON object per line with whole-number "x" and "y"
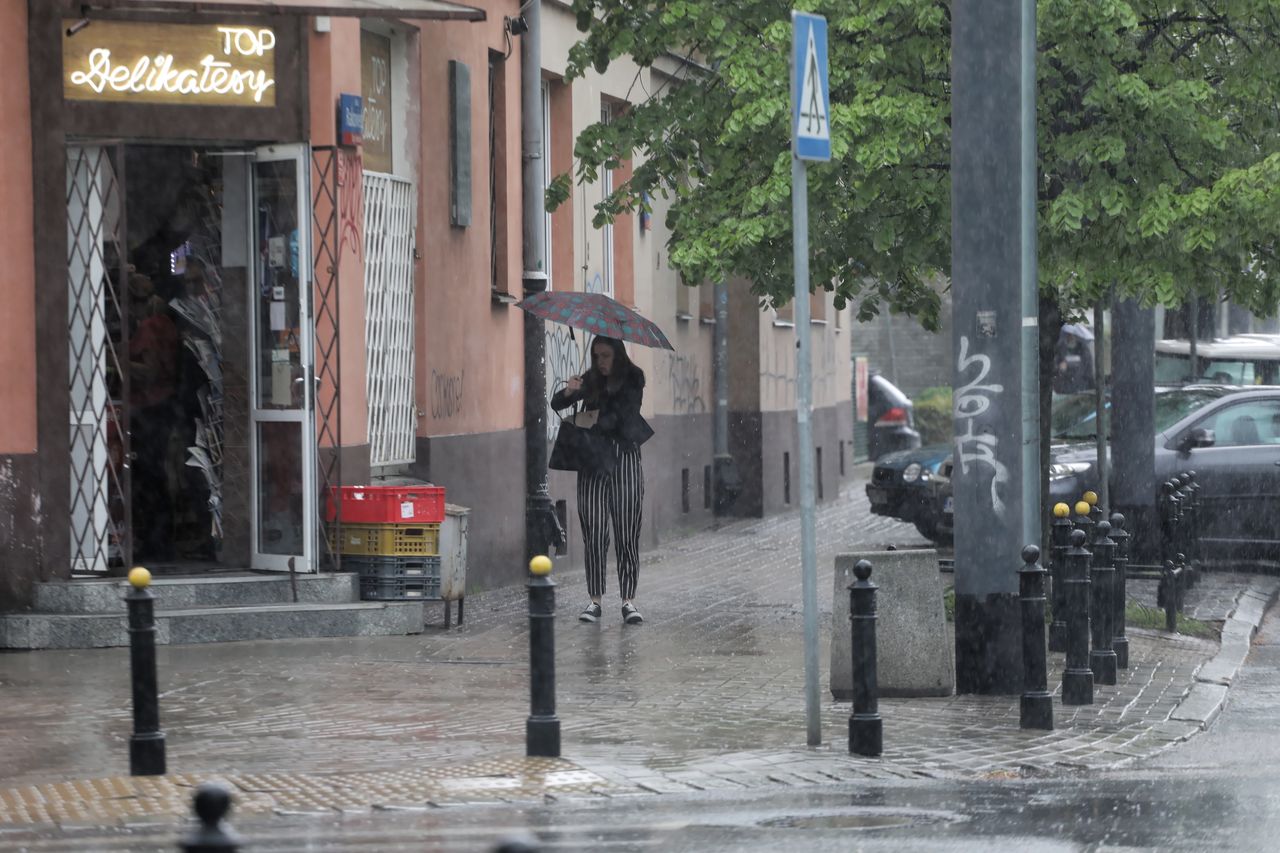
{"x": 623, "y": 368}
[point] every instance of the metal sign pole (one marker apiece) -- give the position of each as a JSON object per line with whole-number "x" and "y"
{"x": 804, "y": 429}
{"x": 810, "y": 140}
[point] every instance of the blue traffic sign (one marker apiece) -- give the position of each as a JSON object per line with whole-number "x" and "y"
{"x": 810, "y": 89}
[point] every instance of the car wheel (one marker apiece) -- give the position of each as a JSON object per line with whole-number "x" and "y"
{"x": 927, "y": 529}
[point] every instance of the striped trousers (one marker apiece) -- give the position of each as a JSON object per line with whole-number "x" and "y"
{"x": 616, "y": 498}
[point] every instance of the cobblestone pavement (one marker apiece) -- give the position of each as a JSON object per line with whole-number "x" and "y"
{"x": 708, "y": 693}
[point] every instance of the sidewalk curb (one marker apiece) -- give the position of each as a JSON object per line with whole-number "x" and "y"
{"x": 1208, "y": 694}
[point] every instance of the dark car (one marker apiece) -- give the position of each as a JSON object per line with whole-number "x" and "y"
{"x": 1229, "y": 436}
{"x": 899, "y": 486}
{"x": 890, "y": 417}
{"x": 903, "y": 485}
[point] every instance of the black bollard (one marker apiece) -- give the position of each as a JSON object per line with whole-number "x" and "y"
{"x": 1182, "y": 537}
{"x": 212, "y": 802}
{"x": 1167, "y": 596}
{"x": 1168, "y": 521}
{"x": 1083, "y": 521}
{"x": 866, "y": 735}
{"x": 542, "y": 730}
{"x": 1095, "y": 509}
{"x": 146, "y": 744}
{"x": 1119, "y": 591}
{"x": 1059, "y": 537}
{"x": 1197, "y": 542}
{"x": 1036, "y": 708}
{"x": 1102, "y": 659}
{"x": 1077, "y": 679}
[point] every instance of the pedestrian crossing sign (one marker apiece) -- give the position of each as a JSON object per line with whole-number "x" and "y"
{"x": 810, "y": 92}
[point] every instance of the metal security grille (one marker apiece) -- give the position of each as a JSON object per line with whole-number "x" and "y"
{"x": 98, "y": 337}
{"x": 326, "y": 166}
{"x": 388, "y": 291}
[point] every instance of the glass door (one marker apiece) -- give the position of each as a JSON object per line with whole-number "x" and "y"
{"x": 281, "y": 419}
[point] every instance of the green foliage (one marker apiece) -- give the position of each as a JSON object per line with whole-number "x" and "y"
{"x": 1158, "y": 135}
{"x": 933, "y": 415}
{"x": 1141, "y": 616}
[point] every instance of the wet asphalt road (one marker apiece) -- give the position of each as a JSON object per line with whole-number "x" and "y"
{"x": 1220, "y": 791}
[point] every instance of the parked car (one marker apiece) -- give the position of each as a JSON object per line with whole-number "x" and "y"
{"x": 890, "y": 417}
{"x": 1228, "y": 435}
{"x": 1252, "y": 359}
{"x": 903, "y": 484}
{"x": 899, "y": 486}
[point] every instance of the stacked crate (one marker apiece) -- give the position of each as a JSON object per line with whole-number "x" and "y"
{"x": 391, "y": 536}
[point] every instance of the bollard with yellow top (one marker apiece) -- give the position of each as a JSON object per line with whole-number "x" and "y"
{"x": 1084, "y": 520}
{"x": 1096, "y": 510}
{"x": 146, "y": 744}
{"x": 1059, "y": 541}
{"x": 542, "y": 729}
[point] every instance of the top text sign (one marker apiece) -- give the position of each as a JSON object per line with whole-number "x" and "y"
{"x": 810, "y": 91}
{"x": 196, "y": 64}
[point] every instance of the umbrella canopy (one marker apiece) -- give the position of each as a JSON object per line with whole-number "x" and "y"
{"x": 597, "y": 314}
{"x": 1079, "y": 331}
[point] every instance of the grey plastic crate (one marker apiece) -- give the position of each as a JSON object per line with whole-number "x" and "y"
{"x": 399, "y": 589}
{"x": 385, "y": 568}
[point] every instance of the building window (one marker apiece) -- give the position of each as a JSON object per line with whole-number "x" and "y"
{"x": 818, "y": 306}
{"x": 497, "y": 175}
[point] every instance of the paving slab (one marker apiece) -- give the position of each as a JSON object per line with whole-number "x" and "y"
{"x": 707, "y": 693}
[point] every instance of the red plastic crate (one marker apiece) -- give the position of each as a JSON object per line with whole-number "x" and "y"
{"x": 387, "y": 504}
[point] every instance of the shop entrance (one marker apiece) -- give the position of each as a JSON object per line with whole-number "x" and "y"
{"x": 191, "y": 350}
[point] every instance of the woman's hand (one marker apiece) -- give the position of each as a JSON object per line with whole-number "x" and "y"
{"x": 574, "y": 385}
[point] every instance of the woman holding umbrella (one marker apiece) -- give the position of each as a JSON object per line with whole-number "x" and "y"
{"x": 613, "y": 387}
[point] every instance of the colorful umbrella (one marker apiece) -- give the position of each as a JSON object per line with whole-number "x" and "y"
{"x": 597, "y": 314}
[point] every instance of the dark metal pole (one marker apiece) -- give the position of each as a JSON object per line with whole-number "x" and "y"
{"x": 1036, "y": 708}
{"x": 1077, "y": 680}
{"x": 1060, "y": 534}
{"x": 1133, "y": 450}
{"x": 1103, "y": 434}
{"x": 542, "y": 527}
{"x": 1120, "y": 594}
{"x": 146, "y": 744}
{"x": 211, "y": 803}
{"x": 1102, "y": 659}
{"x": 542, "y": 730}
{"x": 728, "y": 483}
{"x": 866, "y": 736}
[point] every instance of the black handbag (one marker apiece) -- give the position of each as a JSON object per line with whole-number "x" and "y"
{"x": 582, "y": 449}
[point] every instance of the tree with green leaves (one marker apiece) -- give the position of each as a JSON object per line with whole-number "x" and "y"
{"x": 1158, "y": 140}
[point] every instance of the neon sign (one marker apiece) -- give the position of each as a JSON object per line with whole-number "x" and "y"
{"x": 171, "y": 63}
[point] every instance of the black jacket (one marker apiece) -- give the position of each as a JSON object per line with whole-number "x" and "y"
{"x": 620, "y": 417}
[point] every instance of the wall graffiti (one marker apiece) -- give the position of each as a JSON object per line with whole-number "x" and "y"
{"x": 566, "y": 355}
{"x": 351, "y": 201}
{"x": 686, "y": 386}
{"x": 972, "y": 400}
{"x": 447, "y": 394}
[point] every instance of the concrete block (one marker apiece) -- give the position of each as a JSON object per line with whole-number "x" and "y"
{"x": 915, "y": 651}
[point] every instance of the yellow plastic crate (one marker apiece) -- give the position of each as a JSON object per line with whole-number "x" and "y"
{"x": 386, "y": 540}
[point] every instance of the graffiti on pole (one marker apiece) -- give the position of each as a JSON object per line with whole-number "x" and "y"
{"x": 972, "y": 400}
